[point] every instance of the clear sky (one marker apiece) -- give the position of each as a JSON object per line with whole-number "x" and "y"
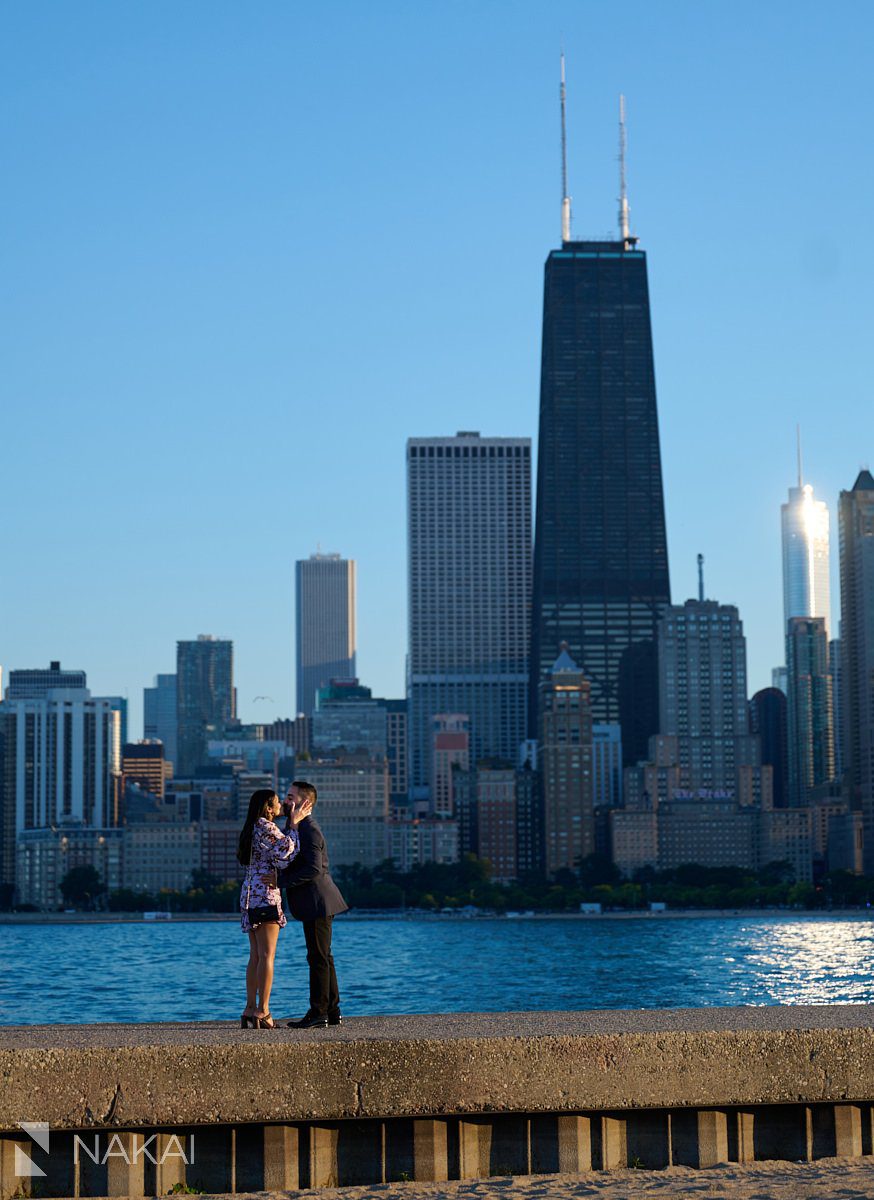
{"x": 248, "y": 249}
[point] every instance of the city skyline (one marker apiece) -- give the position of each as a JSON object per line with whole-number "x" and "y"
{"x": 84, "y": 282}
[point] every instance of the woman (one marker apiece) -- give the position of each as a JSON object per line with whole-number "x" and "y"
{"x": 262, "y": 850}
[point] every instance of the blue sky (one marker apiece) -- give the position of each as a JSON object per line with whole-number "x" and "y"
{"x": 247, "y": 250}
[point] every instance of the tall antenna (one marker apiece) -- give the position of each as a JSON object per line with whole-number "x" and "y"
{"x": 565, "y": 198}
{"x": 624, "y": 229}
{"x": 701, "y": 578}
{"x": 798, "y": 445}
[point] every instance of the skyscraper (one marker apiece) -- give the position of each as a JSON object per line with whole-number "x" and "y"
{"x": 325, "y": 636}
{"x": 36, "y": 684}
{"x": 204, "y": 698}
{"x": 835, "y": 668}
{"x": 450, "y": 752}
{"x": 145, "y": 764}
{"x": 565, "y": 761}
{"x": 159, "y": 714}
{"x": 600, "y": 549}
{"x": 469, "y": 522}
{"x": 804, "y": 523}
{"x": 809, "y": 707}
{"x": 769, "y": 720}
{"x": 856, "y": 519}
{"x": 702, "y": 659}
{"x": 61, "y": 763}
{"x": 347, "y": 717}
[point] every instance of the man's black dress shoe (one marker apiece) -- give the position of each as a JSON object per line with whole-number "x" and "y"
{"x": 335, "y": 1018}
{"x": 310, "y": 1021}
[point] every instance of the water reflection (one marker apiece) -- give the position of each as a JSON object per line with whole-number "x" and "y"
{"x": 194, "y": 971}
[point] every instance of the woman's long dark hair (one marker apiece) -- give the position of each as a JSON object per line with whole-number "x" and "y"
{"x": 257, "y": 805}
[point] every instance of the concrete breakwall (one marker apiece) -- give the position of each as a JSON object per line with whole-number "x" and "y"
{"x": 132, "y": 1110}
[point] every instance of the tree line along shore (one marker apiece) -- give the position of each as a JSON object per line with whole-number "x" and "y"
{"x": 436, "y": 887}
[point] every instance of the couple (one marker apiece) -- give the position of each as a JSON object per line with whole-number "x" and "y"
{"x": 298, "y": 861}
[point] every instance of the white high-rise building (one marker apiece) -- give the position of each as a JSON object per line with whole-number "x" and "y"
{"x": 59, "y": 790}
{"x": 805, "y": 556}
{"x": 325, "y": 633}
{"x": 469, "y": 543}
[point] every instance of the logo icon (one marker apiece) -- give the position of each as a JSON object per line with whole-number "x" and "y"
{"x": 37, "y": 1131}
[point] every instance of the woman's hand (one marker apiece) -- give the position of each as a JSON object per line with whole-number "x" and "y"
{"x": 298, "y": 809}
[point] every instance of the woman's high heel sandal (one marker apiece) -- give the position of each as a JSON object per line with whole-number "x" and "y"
{"x": 247, "y": 1021}
{"x": 265, "y": 1022}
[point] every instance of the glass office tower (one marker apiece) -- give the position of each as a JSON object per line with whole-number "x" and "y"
{"x": 600, "y": 559}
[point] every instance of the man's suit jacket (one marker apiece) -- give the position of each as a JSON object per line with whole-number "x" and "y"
{"x": 309, "y": 888}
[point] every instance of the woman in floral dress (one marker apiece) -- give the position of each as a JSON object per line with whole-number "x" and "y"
{"x": 263, "y": 849}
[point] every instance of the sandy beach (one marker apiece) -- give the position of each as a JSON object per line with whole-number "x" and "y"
{"x": 825, "y": 1179}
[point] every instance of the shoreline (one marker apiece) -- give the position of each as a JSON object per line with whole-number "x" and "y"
{"x": 84, "y": 918}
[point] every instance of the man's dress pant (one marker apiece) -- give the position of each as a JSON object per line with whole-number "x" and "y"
{"x": 324, "y": 993}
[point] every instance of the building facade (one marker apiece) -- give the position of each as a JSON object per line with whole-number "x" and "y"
{"x": 159, "y": 715}
{"x": 450, "y": 752}
{"x": 413, "y": 841}
{"x": 44, "y": 856}
{"x": 60, "y": 780}
{"x": 703, "y": 695}
{"x": 600, "y": 556}
{"x": 834, "y": 670}
{"x": 469, "y": 555}
{"x": 205, "y": 699}
{"x": 805, "y": 540}
{"x": 353, "y": 807}
{"x": 565, "y": 766}
{"x": 856, "y": 520}
{"x": 35, "y": 684}
{"x": 769, "y": 719}
{"x": 347, "y": 717}
{"x": 398, "y": 747}
{"x": 144, "y": 764}
{"x": 63, "y": 754}
{"x": 607, "y": 765}
{"x": 809, "y": 707}
{"x": 325, "y": 628}
{"x": 296, "y": 733}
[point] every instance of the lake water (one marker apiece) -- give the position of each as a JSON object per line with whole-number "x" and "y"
{"x": 194, "y": 970}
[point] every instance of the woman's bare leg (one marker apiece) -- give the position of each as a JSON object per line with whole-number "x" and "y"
{"x": 252, "y": 975}
{"x": 267, "y": 935}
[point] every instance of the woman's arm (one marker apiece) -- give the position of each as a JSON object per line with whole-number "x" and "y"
{"x": 281, "y": 847}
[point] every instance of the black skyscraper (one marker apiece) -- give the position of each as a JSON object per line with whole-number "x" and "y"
{"x": 768, "y": 718}
{"x": 600, "y": 556}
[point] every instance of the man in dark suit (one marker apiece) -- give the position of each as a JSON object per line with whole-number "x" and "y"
{"x": 314, "y": 899}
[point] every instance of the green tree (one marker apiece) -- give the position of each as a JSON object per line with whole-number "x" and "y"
{"x": 82, "y": 886}
{"x": 598, "y": 868}
{"x": 204, "y": 880}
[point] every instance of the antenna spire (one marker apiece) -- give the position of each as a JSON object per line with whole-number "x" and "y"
{"x": 565, "y": 198}
{"x": 701, "y": 578}
{"x": 798, "y": 445}
{"x": 624, "y": 227}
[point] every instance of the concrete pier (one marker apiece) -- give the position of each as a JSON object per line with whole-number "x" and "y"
{"x": 133, "y": 1109}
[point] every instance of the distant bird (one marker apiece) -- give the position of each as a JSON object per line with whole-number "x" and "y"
{"x": 257, "y": 698}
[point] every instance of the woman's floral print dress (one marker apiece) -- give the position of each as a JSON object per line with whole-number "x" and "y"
{"x": 271, "y": 850}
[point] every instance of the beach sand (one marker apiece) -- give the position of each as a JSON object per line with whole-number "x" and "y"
{"x": 825, "y": 1179}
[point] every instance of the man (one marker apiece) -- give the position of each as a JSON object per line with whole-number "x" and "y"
{"x": 314, "y": 899}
